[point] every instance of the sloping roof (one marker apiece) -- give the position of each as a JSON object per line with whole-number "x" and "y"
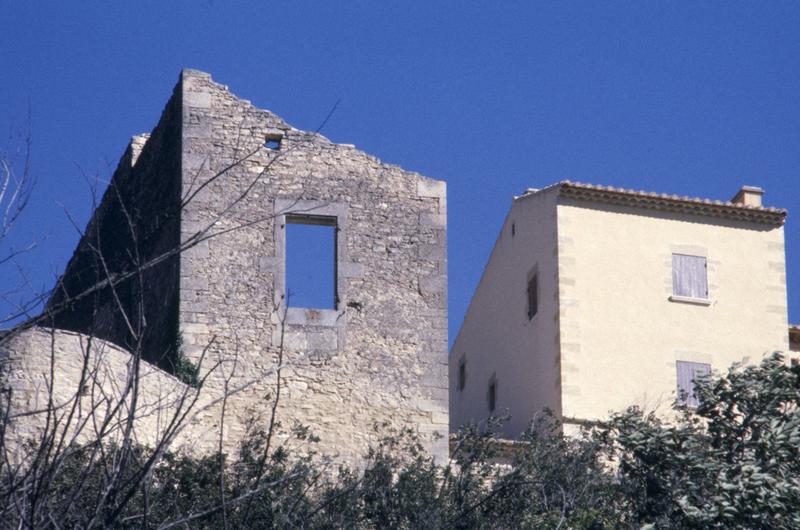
{"x": 664, "y": 202}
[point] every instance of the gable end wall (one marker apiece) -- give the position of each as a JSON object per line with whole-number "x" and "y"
{"x": 380, "y": 356}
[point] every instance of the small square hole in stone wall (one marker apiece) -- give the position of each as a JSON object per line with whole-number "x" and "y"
{"x": 273, "y": 141}
{"x": 311, "y": 262}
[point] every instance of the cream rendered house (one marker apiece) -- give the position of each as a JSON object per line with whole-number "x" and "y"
{"x": 597, "y": 298}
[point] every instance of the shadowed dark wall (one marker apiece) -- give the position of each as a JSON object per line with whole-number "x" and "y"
{"x": 136, "y": 223}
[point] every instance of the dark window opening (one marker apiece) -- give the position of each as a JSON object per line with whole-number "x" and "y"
{"x": 513, "y": 229}
{"x": 492, "y": 394}
{"x": 533, "y": 296}
{"x": 273, "y": 141}
{"x": 462, "y": 374}
{"x": 311, "y": 262}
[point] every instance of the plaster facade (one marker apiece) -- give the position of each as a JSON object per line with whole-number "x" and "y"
{"x": 609, "y": 329}
{"x": 204, "y": 200}
{"x": 497, "y": 338}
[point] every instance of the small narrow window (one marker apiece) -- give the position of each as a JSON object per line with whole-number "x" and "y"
{"x": 492, "y": 394}
{"x": 689, "y": 276}
{"x": 273, "y": 141}
{"x": 688, "y": 372}
{"x": 462, "y": 374}
{"x": 513, "y": 229}
{"x": 533, "y": 296}
{"x": 311, "y": 262}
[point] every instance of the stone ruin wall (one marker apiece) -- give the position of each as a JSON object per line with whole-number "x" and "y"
{"x": 138, "y": 217}
{"x": 381, "y": 356}
{"x": 86, "y": 378}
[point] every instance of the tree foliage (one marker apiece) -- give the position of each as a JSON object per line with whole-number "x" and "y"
{"x": 731, "y": 463}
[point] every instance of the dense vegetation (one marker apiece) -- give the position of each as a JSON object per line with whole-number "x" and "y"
{"x": 731, "y": 463}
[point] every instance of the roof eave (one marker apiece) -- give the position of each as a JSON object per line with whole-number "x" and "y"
{"x": 672, "y": 203}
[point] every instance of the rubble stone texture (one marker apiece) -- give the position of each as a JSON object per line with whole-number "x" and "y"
{"x": 206, "y": 181}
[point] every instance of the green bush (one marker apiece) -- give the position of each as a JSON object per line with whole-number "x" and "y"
{"x": 183, "y": 368}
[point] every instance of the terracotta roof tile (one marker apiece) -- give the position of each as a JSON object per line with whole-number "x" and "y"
{"x": 665, "y": 202}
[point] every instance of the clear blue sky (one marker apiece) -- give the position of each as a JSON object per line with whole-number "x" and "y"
{"x": 693, "y": 98}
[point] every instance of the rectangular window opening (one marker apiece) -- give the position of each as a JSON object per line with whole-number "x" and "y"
{"x": 533, "y": 296}
{"x": 689, "y": 276}
{"x": 462, "y": 374}
{"x": 311, "y": 262}
{"x": 687, "y": 373}
{"x": 492, "y": 394}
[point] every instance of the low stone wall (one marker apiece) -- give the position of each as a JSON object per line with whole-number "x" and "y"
{"x": 88, "y": 384}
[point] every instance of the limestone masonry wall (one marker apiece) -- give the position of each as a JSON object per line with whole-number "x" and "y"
{"x": 378, "y": 357}
{"x": 381, "y": 355}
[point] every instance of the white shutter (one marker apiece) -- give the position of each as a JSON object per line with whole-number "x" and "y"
{"x": 689, "y": 276}
{"x": 687, "y": 373}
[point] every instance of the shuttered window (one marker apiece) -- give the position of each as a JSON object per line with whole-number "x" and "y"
{"x": 492, "y": 394}
{"x": 533, "y": 296}
{"x": 687, "y": 373}
{"x": 689, "y": 276}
